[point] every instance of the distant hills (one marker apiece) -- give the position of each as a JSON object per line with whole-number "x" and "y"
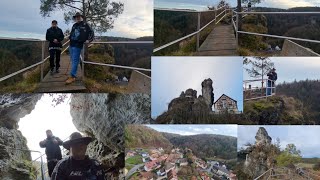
{"x": 305, "y": 26}
{"x": 203, "y": 145}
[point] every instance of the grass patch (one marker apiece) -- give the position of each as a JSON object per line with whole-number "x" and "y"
{"x": 134, "y": 160}
{"x": 28, "y": 84}
{"x": 94, "y": 86}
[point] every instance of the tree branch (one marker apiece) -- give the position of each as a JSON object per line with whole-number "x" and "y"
{"x": 73, "y": 7}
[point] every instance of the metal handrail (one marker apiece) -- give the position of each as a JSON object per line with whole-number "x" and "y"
{"x": 122, "y": 42}
{"x": 272, "y": 89}
{"x": 41, "y": 160}
{"x": 263, "y": 174}
{"x": 199, "y": 29}
{"x": 41, "y": 63}
{"x": 269, "y": 35}
{"x": 187, "y": 10}
{"x": 43, "y": 60}
{"x": 112, "y": 65}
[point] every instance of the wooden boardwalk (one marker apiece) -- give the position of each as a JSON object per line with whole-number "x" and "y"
{"x": 220, "y": 42}
{"x": 56, "y": 82}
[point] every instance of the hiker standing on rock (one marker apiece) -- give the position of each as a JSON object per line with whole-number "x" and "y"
{"x": 55, "y": 36}
{"x": 272, "y": 77}
{"x": 81, "y": 33}
{"x": 53, "y": 151}
{"x": 78, "y": 165}
{"x": 249, "y": 6}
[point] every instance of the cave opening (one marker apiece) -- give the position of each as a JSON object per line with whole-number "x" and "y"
{"x": 52, "y": 111}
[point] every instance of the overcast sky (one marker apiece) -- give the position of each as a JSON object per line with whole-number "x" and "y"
{"x": 172, "y": 75}
{"x": 202, "y": 4}
{"x": 289, "y": 3}
{"x": 306, "y": 138}
{"x": 293, "y": 68}
{"x": 227, "y": 130}
{"x": 22, "y": 19}
{"x": 45, "y": 116}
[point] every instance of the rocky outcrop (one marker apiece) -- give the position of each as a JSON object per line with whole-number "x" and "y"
{"x": 15, "y": 106}
{"x": 207, "y": 92}
{"x": 276, "y": 110}
{"x": 259, "y": 157}
{"x": 103, "y": 116}
{"x": 262, "y": 137}
{"x": 15, "y": 163}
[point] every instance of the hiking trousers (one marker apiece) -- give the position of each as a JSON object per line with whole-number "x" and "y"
{"x": 51, "y": 166}
{"x": 55, "y": 55}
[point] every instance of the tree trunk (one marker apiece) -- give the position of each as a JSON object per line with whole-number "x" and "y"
{"x": 85, "y": 48}
{"x": 240, "y": 15}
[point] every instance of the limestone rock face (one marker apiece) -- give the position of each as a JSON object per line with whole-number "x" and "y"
{"x": 191, "y": 93}
{"x": 103, "y": 117}
{"x": 262, "y": 137}
{"x": 14, "y": 164}
{"x": 259, "y": 157}
{"x": 207, "y": 92}
{"x": 15, "y": 106}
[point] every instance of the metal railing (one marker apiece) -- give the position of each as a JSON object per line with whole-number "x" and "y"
{"x": 199, "y": 29}
{"x": 237, "y": 15}
{"x": 112, "y": 65}
{"x": 42, "y": 61}
{"x": 254, "y": 93}
{"x": 41, "y": 169}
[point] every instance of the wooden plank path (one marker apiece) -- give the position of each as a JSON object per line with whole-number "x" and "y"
{"x": 56, "y": 82}
{"x": 220, "y": 42}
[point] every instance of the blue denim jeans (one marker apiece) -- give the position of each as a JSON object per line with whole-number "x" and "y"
{"x": 269, "y": 89}
{"x": 75, "y": 59}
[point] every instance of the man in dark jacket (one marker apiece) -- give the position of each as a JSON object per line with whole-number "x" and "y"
{"x": 55, "y": 37}
{"x": 78, "y": 166}
{"x": 53, "y": 151}
{"x": 272, "y": 77}
{"x": 81, "y": 33}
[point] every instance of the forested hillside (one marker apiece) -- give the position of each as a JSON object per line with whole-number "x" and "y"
{"x": 203, "y": 145}
{"x": 305, "y": 26}
{"x": 207, "y": 145}
{"x": 138, "y": 136}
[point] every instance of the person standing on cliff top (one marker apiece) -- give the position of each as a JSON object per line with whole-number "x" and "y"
{"x": 81, "y": 33}
{"x": 53, "y": 151}
{"x": 55, "y": 36}
{"x": 249, "y": 6}
{"x": 272, "y": 77}
{"x": 78, "y": 165}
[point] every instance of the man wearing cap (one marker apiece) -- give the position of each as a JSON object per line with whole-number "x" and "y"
{"x": 81, "y": 33}
{"x": 55, "y": 36}
{"x": 272, "y": 77}
{"x": 53, "y": 151}
{"x": 78, "y": 166}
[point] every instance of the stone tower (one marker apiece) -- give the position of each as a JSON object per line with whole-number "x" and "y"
{"x": 207, "y": 92}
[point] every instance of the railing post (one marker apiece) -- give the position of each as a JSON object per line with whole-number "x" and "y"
{"x": 198, "y": 28}
{"x": 42, "y": 59}
{"x": 237, "y": 29}
{"x": 82, "y": 66}
{"x": 42, "y": 174}
{"x": 215, "y": 15}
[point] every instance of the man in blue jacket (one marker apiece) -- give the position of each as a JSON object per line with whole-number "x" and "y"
{"x": 81, "y": 33}
{"x": 55, "y": 36}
